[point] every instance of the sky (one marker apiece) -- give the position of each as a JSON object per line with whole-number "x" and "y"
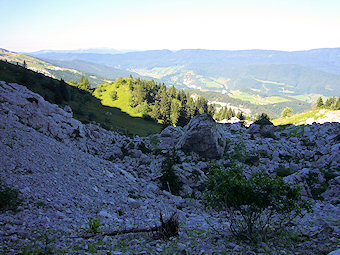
{"x": 31, "y": 25}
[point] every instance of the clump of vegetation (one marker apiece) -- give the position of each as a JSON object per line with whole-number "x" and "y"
{"x": 9, "y": 198}
{"x": 169, "y": 179}
{"x": 240, "y": 154}
{"x": 316, "y": 188}
{"x": 94, "y": 225}
{"x": 256, "y": 206}
{"x": 287, "y": 112}
{"x": 263, "y": 119}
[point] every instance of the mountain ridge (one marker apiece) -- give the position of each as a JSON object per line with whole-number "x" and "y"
{"x": 202, "y": 68}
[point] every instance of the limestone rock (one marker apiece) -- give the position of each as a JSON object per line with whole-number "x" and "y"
{"x": 203, "y": 136}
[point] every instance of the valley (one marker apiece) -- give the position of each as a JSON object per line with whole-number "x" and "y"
{"x": 255, "y": 77}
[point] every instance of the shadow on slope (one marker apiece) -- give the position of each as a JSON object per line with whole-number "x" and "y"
{"x": 85, "y": 107}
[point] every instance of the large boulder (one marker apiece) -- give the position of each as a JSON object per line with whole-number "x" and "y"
{"x": 203, "y": 136}
{"x": 262, "y": 130}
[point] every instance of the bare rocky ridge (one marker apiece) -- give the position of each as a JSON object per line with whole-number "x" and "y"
{"x": 69, "y": 173}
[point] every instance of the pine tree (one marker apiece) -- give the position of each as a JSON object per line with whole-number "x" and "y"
{"x": 174, "y": 112}
{"x": 169, "y": 179}
{"x": 211, "y": 109}
{"x": 319, "y": 103}
{"x": 156, "y": 111}
{"x": 241, "y": 116}
{"x": 173, "y": 92}
{"x": 330, "y": 103}
{"x": 337, "y": 105}
{"x": 84, "y": 84}
{"x": 190, "y": 107}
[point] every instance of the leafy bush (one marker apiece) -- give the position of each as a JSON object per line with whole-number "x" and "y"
{"x": 255, "y": 206}
{"x": 9, "y": 198}
{"x": 287, "y": 112}
{"x": 169, "y": 180}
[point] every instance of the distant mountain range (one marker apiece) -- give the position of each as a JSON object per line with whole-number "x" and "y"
{"x": 261, "y": 71}
{"x": 93, "y": 50}
{"x": 253, "y": 81}
{"x": 67, "y": 70}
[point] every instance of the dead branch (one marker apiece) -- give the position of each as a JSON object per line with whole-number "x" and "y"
{"x": 167, "y": 229}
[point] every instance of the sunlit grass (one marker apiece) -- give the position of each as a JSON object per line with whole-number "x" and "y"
{"x": 256, "y": 99}
{"x": 299, "y": 119}
{"x": 122, "y": 102}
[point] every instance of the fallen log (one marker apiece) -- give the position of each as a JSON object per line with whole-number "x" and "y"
{"x": 167, "y": 229}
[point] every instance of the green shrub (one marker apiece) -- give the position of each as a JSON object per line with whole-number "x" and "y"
{"x": 256, "y": 206}
{"x": 287, "y": 112}
{"x": 9, "y": 198}
{"x": 114, "y": 95}
{"x": 94, "y": 225}
{"x": 316, "y": 188}
{"x": 169, "y": 180}
{"x": 251, "y": 159}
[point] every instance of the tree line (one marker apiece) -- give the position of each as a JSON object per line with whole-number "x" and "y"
{"x": 331, "y": 103}
{"x": 226, "y": 113}
{"x": 171, "y": 106}
{"x": 84, "y": 84}
{"x": 157, "y": 102}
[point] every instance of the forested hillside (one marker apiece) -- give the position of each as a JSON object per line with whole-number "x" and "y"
{"x": 85, "y": 107}
{"x": 152, "y": 100}
{"x": 49, "y": 69}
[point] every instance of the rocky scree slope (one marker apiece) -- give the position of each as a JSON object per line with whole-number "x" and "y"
{"x": 70, "y": 174}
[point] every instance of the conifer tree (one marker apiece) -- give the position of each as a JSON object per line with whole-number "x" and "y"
{"x": 330, "y": 103}
{"x": 337, "y": 105}
{"x": 319, "y": 103}
{"x": 174, "y": 112}
{"x": 156, "y": 111}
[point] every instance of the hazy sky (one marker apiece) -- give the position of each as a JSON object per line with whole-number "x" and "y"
{"x": 29, "y": 25}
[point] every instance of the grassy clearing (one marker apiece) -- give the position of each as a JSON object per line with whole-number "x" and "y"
{"x": 105, "y": 91}
{"x": 273, "y": 82}
{"x": 256, "y": 99}
{"x": 308, "y": 97}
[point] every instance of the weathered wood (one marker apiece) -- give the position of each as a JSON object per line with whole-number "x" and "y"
{"x": 167, "y": 229}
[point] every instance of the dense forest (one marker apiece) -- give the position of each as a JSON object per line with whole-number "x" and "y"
{"x": 156, "y": 101}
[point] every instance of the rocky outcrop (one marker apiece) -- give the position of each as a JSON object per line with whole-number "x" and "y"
{"x": 203, "y": 136}
{"x": 263, "y": 130}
